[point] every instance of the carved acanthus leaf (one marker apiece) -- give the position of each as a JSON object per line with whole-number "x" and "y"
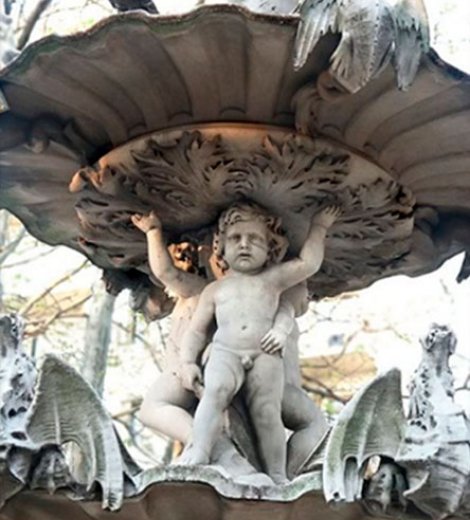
{"x": 294, "y": 173}
{"x": 436, "y": 447}
{"x": 189, "y": 177}
{"x": 177, "y": 170}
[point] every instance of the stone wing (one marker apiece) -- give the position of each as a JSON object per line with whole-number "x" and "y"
{"x": 411, "y": 39}
{"x": 66, "y": 409}
{"x": 371, "y": 424}
{"x": 317, "y": 17}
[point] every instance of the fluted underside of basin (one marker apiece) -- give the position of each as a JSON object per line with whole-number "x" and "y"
{"x": 421, "y": 136}
{"x": 136, "y": 74}
{"x": 77, "y": 98}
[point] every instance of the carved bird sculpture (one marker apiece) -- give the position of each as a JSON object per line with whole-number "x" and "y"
{"x": 131, "y": 5}
{"x": 373, "y": 33}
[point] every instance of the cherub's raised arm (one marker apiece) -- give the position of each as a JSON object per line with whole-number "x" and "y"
{"x": 179, "y": 282}
{"x": 311, "y": 255}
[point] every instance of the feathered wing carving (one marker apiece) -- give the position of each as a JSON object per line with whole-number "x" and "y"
{"x": 436, "y": 447}
{"x": 39, "y": 415}
{"x": 371, "y": 33}
{"x": 371, "y": 424}
{"x": 411, "y": 39}
{"x": 317, "y": 18}
{"x": 22, "y": 463}
{"x": 66, "y": 409}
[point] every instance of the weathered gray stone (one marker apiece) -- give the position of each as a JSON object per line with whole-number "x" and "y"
{"x": 417, "y": 137}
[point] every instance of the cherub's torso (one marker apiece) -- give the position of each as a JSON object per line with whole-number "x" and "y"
{"x": 245, "y": 307}
{"x": 180, "y": 320}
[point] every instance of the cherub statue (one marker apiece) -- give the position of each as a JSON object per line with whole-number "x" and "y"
{"x": 167, "y": 406}
{"x": 244, "y": 304}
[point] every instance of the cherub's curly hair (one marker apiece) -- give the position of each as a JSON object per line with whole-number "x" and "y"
{"x": 243, "y": 212}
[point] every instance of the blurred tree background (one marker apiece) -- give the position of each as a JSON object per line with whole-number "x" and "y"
{"x": 345, "y": 341}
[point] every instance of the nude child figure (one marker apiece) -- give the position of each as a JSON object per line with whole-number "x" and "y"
{"x": 167, "y": 406}
{"x": 244, "y": 304}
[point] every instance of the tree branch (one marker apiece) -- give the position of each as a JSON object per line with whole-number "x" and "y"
{"x": 11, "y": 246}
{"x": 49, "y": 289}
{"x": 128, "y": 411}
{"x": 42, "y": 327}
{"x": 323, "y": 390}
{"x": 148, "y": 346}
{"x": 31, "y": 22}
{"x": 133, "y": 438}
{"x": 27, "y": 260}
{"x": 7, "y": 6}
{"x": 323, "y": 394}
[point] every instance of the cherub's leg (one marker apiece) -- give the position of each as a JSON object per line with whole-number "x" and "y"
{"x": 264, "y": 389}
{"x": 223, "y": 378}
{"x": 166, "y": 406}
{"x": 301, "y": 415}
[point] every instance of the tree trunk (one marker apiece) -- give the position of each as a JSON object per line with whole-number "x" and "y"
{"x": 8, "y": 245}
{"x": 97, "y": 337}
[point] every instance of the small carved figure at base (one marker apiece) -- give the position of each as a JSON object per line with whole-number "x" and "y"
{"x": 436, "y": 447}
{"x": 167, "y": 405}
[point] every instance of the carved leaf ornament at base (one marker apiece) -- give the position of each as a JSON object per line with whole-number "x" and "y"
{"x": 409, "y": 468}
{"x": 189, "y": 176}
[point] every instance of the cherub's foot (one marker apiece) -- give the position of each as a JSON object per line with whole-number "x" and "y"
{"x": 192, "y": 456}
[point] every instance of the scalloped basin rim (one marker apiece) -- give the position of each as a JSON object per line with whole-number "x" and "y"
{"x": 157, "y": 22}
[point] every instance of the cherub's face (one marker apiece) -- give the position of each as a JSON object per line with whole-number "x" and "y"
{"x": 184, "y": 256}
{"x": 246, "y": 246}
